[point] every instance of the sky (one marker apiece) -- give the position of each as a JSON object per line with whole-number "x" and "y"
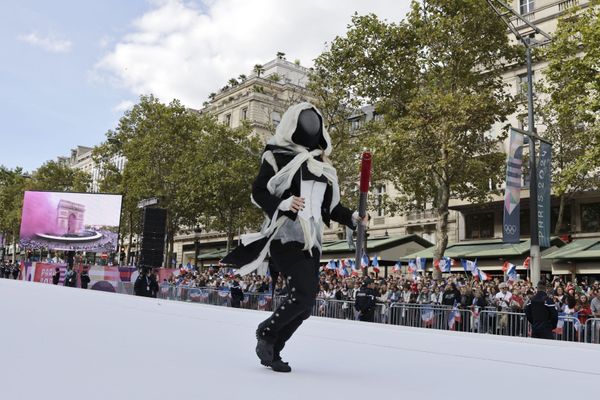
{"x": 69, "y": 69}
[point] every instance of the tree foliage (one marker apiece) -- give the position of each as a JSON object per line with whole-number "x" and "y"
{"x": 436, "y": 77}
{"x": 570, "y": 112}
{"x": 197, "y": 167}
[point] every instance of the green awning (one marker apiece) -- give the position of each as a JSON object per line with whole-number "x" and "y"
{"x": 482, "y": 249}
{"x": 579, "y": 249}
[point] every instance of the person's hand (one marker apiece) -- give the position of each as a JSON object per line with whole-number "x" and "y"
{"x": 292, "y": 203}
{"x": 297, "y": 204}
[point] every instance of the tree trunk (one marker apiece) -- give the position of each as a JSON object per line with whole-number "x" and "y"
{"x": 561, "y": 212}
{"x": 441, "y": 228}
{"x": 229, "y": 238}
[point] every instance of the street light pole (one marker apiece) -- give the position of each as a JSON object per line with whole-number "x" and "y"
{"x": 534, "y": 250}
{"x": 513, "y": 21}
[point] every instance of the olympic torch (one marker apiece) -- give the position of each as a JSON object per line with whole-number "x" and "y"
{"x": 365, "y": 178}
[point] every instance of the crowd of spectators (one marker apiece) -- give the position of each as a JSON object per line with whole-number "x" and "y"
{"x": 580, "y": 298}
{"x": 9, "y": 270}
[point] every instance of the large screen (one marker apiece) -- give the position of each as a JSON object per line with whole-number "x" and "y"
{"x": 71, "y": 221}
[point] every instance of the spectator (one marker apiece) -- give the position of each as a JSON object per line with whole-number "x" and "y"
{"x": 365, "y": 301}
{"x": 541, "y": 314}
{"x": 71, "y": 277}
{"x": 84, "y": 278}
{"x": 56, "y": 276}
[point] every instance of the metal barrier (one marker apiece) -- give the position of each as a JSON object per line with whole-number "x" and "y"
{"x": 592, "y": 330}
{"x": 506, "y": 323}
{"x": 429, "y": 316}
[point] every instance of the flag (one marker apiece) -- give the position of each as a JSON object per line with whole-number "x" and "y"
{"x": 355, "y": 270}
{"x": 427, "y": 315}
{"x": 397, "y": 267}
{"x": 526, "y": 263}
{"x": 342, "y": 271}
{"x": 331, "y": 265}
{"x": 375, "y": 264}
{"x": 412, "y": 265}
{"x": 364, "y": 261}
{"x": 453, "y": 318}
{"x": 444, "y": 264}
{"x": 420, "y": 261}
{"x": 263, "y": 301}
{"x": 562, "y": 317}
{"x": 512, "y": 193}
{"x": 479, "y": 274}
{"x": 511, "y": 271}
{"x": 469, "y": 265}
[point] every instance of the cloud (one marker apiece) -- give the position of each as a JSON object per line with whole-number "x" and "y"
{"x": 186, "y": 51}
{"x": 123, "y": 106}
{"x": 49, "y": 43}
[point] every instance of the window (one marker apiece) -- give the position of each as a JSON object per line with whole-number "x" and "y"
{"x": 228, "y": 119}
{"x": 522, "y": 84}
{"x": 380, "y": 200}
{"x": 244, "y": 114}
{"x": 590, "y": 217}
{"x": 356, "y": 123}
{"x": 479, "y": 226}
{"x": 526, "y": 6}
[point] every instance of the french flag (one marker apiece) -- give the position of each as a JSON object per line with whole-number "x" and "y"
{"x": 375, "y": 264}
{"x": 397, "y": 267}
{"x": 527, "y": 262}
{"x": 364, "y": 261}
{"x": 421, "y": 261}
{"x": 469, "y": 265}
{"x": 444, "y": 264}
{"x": 332, "y": 265}
{"x": 355, "y": 271}
{"x": 511, "y": 271}
{"x": 427, "y": 315}
{"x": 412, "y": 267}
{"x": 453, "y": 318}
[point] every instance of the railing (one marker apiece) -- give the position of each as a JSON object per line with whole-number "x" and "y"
{"x": 486, "y": 320}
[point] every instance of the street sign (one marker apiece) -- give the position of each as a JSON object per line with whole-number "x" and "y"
{"x": 148, "y": 202}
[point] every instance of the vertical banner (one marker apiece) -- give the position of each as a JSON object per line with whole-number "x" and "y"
{"x": 544, "y": 179}
{"x": 511, "y": 230}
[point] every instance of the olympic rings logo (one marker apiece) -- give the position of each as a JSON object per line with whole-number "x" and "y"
{"x": 510, "y": 229}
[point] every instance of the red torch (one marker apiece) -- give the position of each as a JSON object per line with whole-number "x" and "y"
{"x": 365, "y": 178}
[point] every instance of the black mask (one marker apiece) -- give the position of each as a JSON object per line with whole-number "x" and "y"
{"x": 308, "y": 131}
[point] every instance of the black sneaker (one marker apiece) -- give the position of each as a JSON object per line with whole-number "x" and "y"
{"x": 265, "y": 351}
{"x": 280, "y": 366}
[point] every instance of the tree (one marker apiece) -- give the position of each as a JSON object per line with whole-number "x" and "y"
{"x": 436, "y": 77}
{"x": 258, "y": 69}
{"x": 233, "y": 82}
{"x": 57, "y": 177}
{"x": 242, "y": 78}
{"x": 13, "y": 183}
{"x": 218, "y": 171}
{"x": 280, "y": 55}
{"x": 571, "y": 110}
{"x": 151, "y": 136}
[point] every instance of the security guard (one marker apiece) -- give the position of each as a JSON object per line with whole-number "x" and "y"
{"x": 541, "y": 314}
{"x": 365, "y": 301}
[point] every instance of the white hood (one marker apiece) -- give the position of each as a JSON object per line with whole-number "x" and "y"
{"x": 289, "y": 124}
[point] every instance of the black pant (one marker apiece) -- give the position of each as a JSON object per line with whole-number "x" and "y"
{"x": 301, "y": 271}
{"x": 545, "y": 334}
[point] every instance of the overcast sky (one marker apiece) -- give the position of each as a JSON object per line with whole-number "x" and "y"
{"x": 71, "y": 68}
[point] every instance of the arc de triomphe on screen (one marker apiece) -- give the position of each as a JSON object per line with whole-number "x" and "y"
{"x": 70, "y": 217}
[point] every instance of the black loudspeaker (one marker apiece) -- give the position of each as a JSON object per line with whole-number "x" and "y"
{"x": 154, "y": 221}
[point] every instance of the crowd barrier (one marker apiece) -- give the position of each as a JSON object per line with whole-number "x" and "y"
{"x": 486, "y": 320}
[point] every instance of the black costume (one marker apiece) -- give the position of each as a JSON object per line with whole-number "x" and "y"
{"x": 56, "y": 277}
{"x": 85, "y": 279}
{"x": 292, "y": 166}
{"x": 542, "y": 315}
{"x": 237, "y": 295}
{"x": 365, "y": 302}
{"x": 143, "y": 285}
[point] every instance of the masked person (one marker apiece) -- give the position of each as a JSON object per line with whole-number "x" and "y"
{"x": 297, "y": 189}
